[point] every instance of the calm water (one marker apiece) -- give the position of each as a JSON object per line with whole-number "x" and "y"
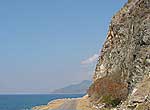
{"x": 26, "y": 102}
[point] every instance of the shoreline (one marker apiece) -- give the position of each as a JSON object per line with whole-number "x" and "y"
{"x": 81, "y": 103}
{"x": 54, "y": 104}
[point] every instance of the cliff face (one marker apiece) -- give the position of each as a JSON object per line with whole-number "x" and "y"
{"x": 126, "y": 51}
{"x": 125, "y": 56}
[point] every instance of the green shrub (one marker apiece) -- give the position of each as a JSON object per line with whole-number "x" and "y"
{"x": 110, "y": 101}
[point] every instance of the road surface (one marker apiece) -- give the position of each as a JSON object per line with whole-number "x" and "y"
{"x": 68, "y": 105}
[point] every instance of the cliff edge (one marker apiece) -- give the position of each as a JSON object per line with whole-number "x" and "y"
{"x": 122, "y": 74}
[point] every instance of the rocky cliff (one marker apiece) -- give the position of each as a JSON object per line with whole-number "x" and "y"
{"x": 124, "y": 61}
{"x": 122, "y": 74}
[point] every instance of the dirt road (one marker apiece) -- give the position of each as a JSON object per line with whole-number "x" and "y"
{"x": 68, "y": 105}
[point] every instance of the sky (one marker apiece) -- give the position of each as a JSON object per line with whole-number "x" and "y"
{"x": 48, "y": 44}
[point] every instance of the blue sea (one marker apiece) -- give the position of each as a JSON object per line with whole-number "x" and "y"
{"x": 26, "y": 102}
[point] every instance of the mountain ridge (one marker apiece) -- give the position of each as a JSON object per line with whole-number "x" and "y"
{"x": 79, "y": 88}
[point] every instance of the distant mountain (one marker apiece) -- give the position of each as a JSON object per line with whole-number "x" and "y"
{"x": 80, "y": 88}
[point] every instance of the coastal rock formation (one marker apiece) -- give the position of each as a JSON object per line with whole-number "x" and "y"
{"x": 126, "y": 51}
{"x": 125, "y": 56}
{"x": 122, "y": 74}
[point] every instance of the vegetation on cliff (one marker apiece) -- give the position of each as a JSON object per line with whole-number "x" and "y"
{"x": 108, "y": 91}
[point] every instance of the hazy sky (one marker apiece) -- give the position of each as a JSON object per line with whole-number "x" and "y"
{"x": 47, "y": 44}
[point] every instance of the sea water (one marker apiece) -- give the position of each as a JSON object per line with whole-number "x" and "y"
{"x": 26, "y": 102}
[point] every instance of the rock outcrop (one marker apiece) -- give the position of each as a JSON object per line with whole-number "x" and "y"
{"x": 125, "y": 56}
